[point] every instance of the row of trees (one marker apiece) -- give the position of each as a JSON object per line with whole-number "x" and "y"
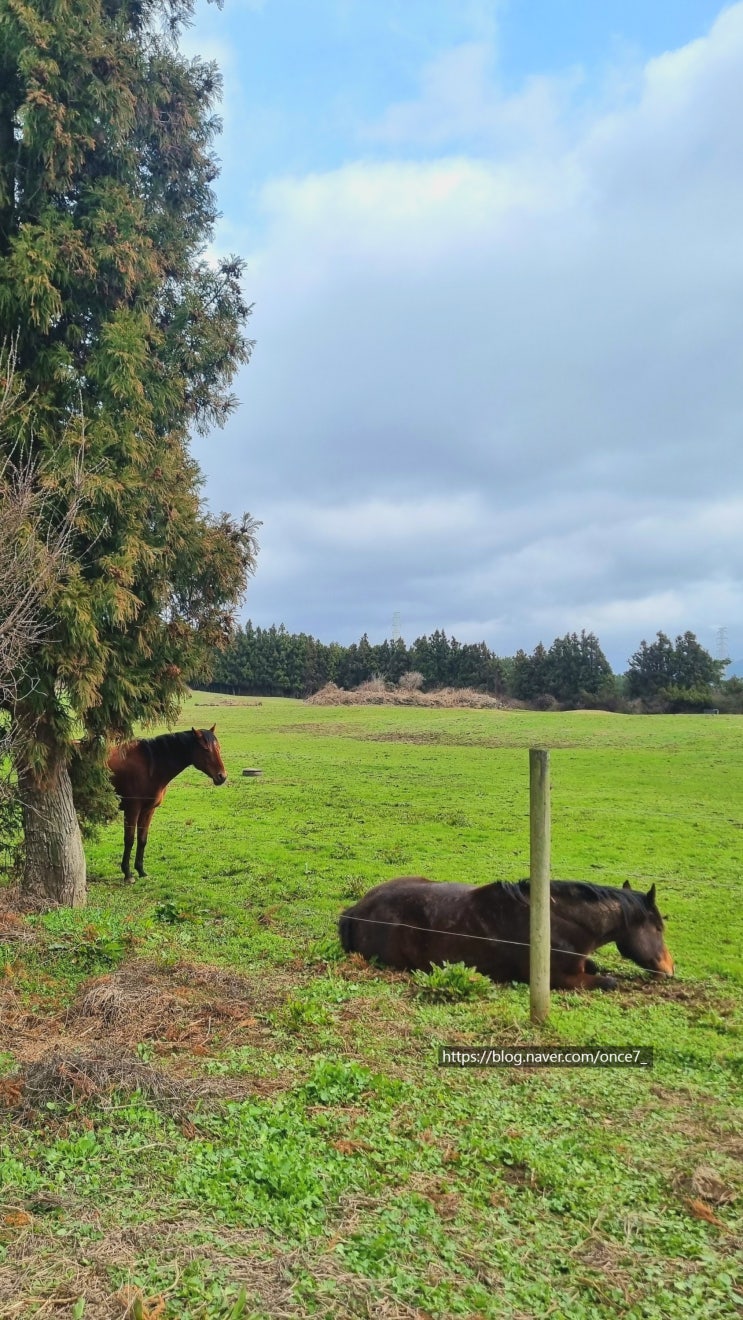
{"x": 274, "y": 662}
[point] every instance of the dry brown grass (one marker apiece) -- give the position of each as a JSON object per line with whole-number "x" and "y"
{"x": 14, "y": 929}
{"x": 184, "y": 1014}
{"x": 43, "y": 1275}
{"x": 378, "y": 693}
{"x": 62, "y": 1078}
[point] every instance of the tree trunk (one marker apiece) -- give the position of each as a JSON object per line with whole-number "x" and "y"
{"x": 54, "y": 870}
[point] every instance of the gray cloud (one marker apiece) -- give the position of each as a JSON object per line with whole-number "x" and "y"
{"x": 501, "y": 393}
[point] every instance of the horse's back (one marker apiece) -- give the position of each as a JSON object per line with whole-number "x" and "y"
{"x": 410, "y": 893}
{"x": 413, "y": 922}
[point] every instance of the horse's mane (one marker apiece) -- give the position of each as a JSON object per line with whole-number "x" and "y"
{"x": 164, "y": 741}
{"x": 631, "y": 901}
{"x": 171, "y": 746}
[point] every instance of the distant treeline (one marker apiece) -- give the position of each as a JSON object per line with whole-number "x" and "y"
{"x": 574, "y": 671}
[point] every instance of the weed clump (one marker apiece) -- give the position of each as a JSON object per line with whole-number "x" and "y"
{"x": 451, "y": 983}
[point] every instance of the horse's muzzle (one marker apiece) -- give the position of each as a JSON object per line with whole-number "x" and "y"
{"x": 220, "y": 779}
{"x": 665, "y": 964}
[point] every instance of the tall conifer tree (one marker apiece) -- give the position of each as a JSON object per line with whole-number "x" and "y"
{"x": 127, "y": 338}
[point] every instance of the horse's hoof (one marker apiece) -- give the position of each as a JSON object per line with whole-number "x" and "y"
{"x": 142, "y": 875}
{"x": 606, "y": 983}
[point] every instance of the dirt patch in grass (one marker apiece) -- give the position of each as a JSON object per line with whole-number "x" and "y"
{"x": 604, "y": 1260}
{"x": 706, "y": 1184}
{"x": 388, "y": 1022}
{"x": 326, "y": 729}
{"x": 421, "y": 738}
{"x": 240, "y": 702}
{"x": 440, "y": 738}
{"x": 13, "y": 904}
{"x": 150, "y": 1028}
{"x": 18, "y": 1023}
{"x": 355, "y": 968}
{"x": 633, "y": 987}
{"x": 44, "y": 1276}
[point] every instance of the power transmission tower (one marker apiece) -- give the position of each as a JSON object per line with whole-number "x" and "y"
{"x": 722, "y": 643}
{"x": 396, "y": 626}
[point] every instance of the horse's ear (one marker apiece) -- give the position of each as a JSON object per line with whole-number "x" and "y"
{"x": 626, "y": 885}
{"x": 212, "y": 728}
{"x": 197, "y": 734}
{"x": 650, "y": 896}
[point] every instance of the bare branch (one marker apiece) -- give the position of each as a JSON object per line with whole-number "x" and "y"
{"x": 35, "y": 540}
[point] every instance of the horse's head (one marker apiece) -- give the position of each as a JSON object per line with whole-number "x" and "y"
{"x": 642, "y": 940}
{"x": 207, "y": 756}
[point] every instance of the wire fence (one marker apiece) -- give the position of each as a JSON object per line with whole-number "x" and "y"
{"x": 484, "y": 939}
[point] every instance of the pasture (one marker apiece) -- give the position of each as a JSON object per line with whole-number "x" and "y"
{"x": 225, "y": 1117}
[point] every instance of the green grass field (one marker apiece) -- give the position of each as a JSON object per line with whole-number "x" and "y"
{"x": 223, "y": 1117}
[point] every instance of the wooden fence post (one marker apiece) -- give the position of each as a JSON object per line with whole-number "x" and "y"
{"x": 539, "y": 883}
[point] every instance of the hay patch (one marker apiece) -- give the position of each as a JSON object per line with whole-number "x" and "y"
{"x": 376, "y": 693}
{"x": 185, "y": 1012}
{"x": 182, "y": 1013}
{"x": 76, "y": 1077}
{"x": 706, "y": 1184}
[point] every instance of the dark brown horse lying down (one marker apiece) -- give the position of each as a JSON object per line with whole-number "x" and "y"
{"x": 141, "y": 772}
{"x": 412, "y": 923}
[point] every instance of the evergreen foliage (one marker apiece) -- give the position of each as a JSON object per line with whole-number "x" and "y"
{"x": 574, "y": 671}
{"x": 274, "y": 662}
{"x": 127, "y": 337}
{"x": 668, "y": 669}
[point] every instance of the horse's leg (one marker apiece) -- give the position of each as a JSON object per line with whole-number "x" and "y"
{"x": 131, "y": 812}
{"x": 581, "y": 981}
{"x": 577, "y": 973}
{"x": 143, "y": 827}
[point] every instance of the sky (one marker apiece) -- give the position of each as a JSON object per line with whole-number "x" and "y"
{"x": 494, "y": 251}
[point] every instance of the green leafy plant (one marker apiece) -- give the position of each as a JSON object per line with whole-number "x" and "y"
{"x": 335, "y": 1082}
{"x": 327, "y": 950}
{"x": 91, "y": 949}
{"x": 451, "y": 982}
{"x": 299, "y": 1014}
{"x": 171, "y": 913}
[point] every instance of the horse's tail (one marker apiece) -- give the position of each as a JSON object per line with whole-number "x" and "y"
{"x": 345, "y": 930}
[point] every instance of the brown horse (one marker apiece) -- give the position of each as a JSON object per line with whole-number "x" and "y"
{"x": 141, "y": 772}
{"x": 412, "y": 922}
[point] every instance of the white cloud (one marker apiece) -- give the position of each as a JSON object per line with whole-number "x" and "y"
{"x": 460, "y": 100}
{"x": 503, "y": 388}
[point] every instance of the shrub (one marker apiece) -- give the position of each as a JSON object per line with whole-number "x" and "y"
{"x": 411, "y": 682}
